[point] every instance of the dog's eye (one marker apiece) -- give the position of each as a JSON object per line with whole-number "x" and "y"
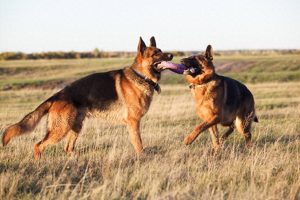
{"x": 158, "y": 51}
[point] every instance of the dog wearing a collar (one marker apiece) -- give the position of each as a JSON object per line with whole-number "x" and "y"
{"x": 122, "y": 95}
{"x": 219, "y": 100}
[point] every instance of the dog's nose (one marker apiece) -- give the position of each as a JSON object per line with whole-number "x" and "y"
{"x": 170, "y": 56}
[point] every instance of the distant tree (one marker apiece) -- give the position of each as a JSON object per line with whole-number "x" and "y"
{"x": 96, "y": 53}
{"x": 77, "y": 55}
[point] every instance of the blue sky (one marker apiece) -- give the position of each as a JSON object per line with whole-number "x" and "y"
{"x": 48, "y": 25}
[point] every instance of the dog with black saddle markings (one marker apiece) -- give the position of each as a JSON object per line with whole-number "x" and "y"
{"x": 122, "y": 95}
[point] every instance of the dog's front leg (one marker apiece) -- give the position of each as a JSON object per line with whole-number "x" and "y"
{"x": 214, "y": 137}
{"x": 198, "y": 129}
{"x": 133, "y": 126}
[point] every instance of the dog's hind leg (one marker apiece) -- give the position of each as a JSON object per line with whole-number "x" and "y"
{"x": 198, "y": 129}
{"x": 73, "y": 134}
{"x": 53, "y": 136}
{"x": 60, "y": 121}
{"x": 226, "y": 134}
{"x": 214, "y": 137}
{"x": 70, "y": 142}
{"x": 243, "y": 125}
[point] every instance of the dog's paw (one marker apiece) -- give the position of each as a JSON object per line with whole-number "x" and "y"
{"x": 74, "y": 154}
{"x": 249, "y": 145}
{"x": 221, "y": 142}
{"x": 216, "y": 150}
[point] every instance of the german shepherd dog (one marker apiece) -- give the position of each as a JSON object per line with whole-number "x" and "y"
{"x": 123, "y": 95}
{"x": 219, "y": 100}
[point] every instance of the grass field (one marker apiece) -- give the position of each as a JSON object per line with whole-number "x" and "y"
{"x": 107, "y": 167}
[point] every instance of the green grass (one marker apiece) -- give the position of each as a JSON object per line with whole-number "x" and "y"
{"x": 40, "y": 73}
{"x": 107, "y": 167}
{"x": 47, "y": 73}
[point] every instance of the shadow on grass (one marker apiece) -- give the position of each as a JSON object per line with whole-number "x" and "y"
{"x": 153, "y": 150}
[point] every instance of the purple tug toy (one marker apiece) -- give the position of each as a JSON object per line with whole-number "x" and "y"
{"x": 174, "y": 67}
{"x": 177, "y": 68}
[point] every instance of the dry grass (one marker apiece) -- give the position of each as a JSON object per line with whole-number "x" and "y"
{"x": 108, "y": 169}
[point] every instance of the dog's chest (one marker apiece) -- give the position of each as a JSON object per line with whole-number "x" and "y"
{"x": 144, "y": 103}
{"x": 204, "y": 93}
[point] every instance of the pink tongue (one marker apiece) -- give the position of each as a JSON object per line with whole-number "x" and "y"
{"x": 174, "y": 67}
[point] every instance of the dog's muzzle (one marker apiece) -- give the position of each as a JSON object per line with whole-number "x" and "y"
{"x": 167, "y": 57}
{"x": 170, "y": 56}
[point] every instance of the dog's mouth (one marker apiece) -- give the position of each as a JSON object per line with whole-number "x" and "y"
{"x": 193, "y": 68}
{"x": 156, "y": 68}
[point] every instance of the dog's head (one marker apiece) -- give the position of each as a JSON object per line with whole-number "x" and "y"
{"x": 148, "y": 58}
{"x": 200, "y": 62}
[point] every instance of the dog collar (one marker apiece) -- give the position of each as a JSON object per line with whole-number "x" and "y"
{"x": 193, "y": 85}
{"x": 155, "y": 85}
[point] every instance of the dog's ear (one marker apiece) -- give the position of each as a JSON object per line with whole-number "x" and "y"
{"x": 141, "y": 46}
{"x": 152, "y": 42}
{"x": 209, "y": 52}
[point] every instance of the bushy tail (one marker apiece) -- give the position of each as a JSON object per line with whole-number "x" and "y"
{"x": 28, "y": 123}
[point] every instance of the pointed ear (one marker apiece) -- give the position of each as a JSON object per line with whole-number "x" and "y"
{"x": 209, "y": 52}
{"x": 141, "y": 46}
{"x": 152, "y": 42}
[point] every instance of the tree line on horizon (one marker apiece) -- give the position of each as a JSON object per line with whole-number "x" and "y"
{"x": 96, "y": 53}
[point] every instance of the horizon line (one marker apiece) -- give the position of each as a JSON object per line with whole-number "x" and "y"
{"x": 130, "y": 51}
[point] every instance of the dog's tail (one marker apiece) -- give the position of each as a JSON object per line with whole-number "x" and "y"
{"x": 28, "y": 123}
{"x": 255, "y": 119}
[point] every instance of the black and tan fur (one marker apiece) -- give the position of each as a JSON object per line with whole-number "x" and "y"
{"x": 219, "y": 100}
{"x": 124, "y": 95}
